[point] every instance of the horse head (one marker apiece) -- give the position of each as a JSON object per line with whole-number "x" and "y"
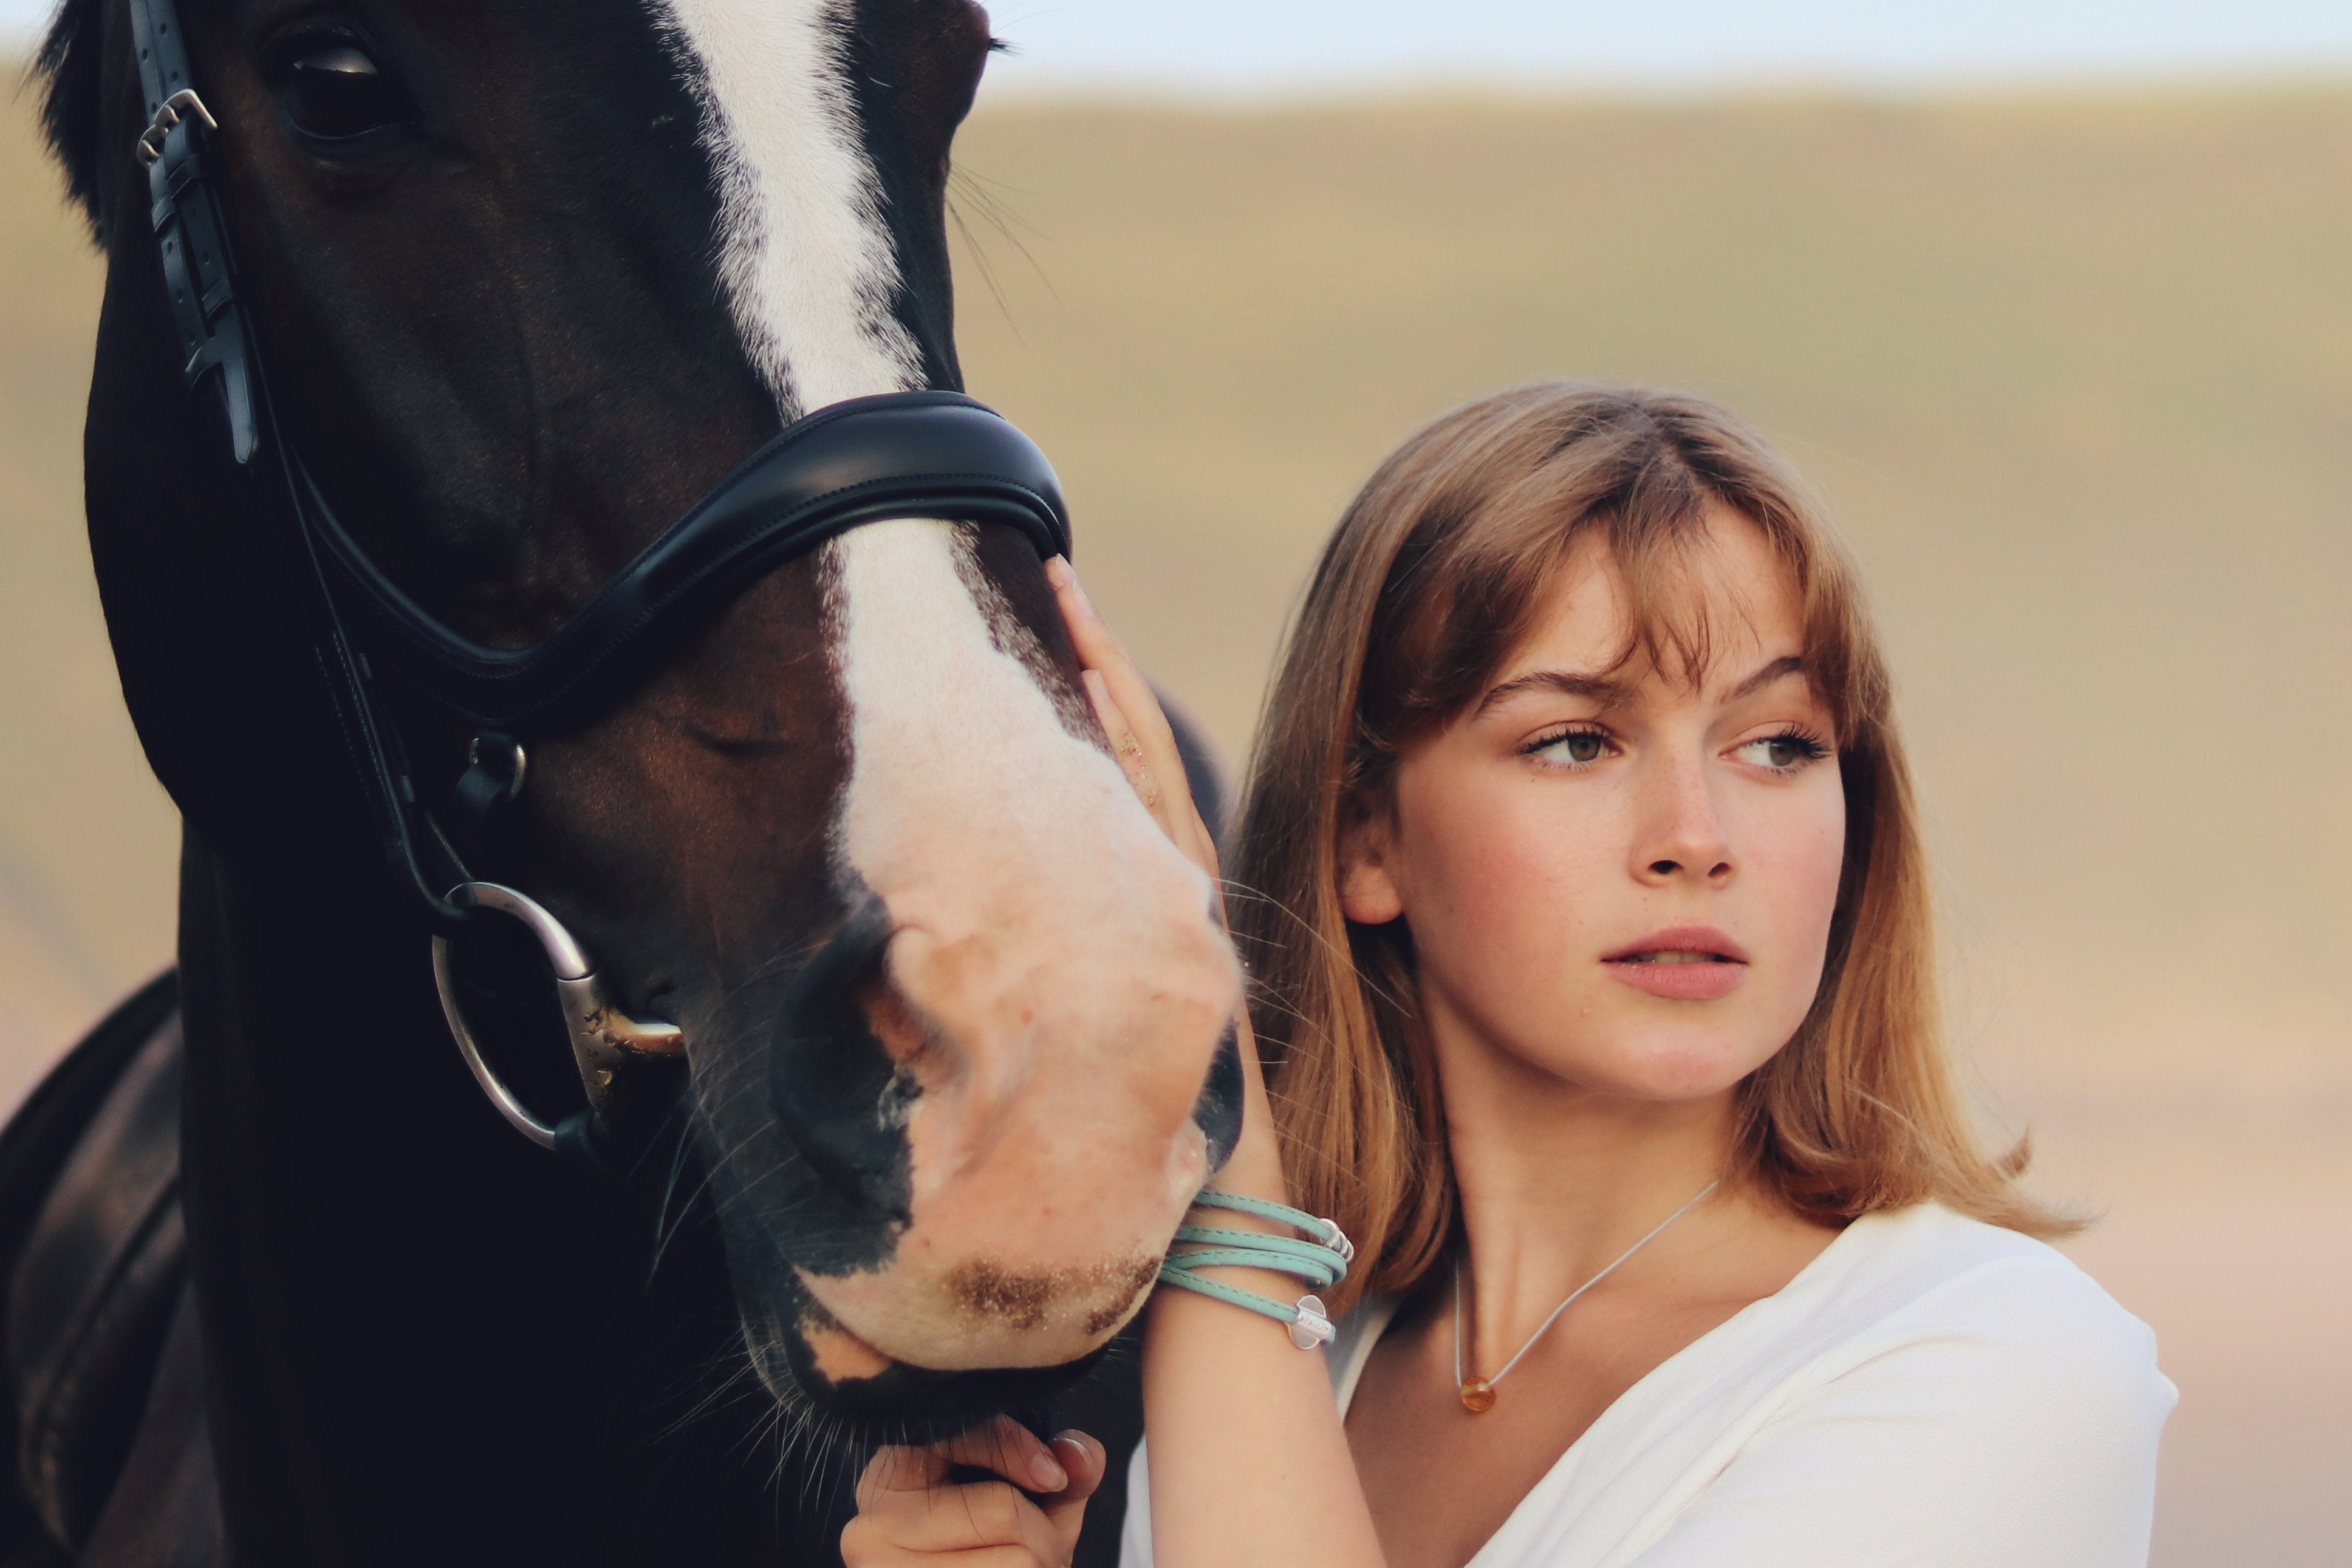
{"x": 528, "y": 279}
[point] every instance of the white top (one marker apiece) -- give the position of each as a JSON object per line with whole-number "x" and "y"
{"x": 1930, "y": 1391}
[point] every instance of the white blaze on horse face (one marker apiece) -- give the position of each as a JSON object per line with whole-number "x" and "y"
{"x": 1069, "y": 982}
{"x": 803, "y": 254}
{"x": 1056, "y": 949}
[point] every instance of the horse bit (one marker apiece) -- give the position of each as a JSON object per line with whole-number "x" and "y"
{"x": 920, "y": 453}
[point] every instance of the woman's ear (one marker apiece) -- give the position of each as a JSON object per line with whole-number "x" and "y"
{"x": 1368, "y": 892}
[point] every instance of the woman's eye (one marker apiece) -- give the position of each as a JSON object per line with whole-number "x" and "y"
{"x": 331, "y": 90}
{"x": 1580, "y": 747}
{"x": 1783, "y": 753}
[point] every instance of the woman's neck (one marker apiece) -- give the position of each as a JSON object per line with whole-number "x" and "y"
{"x": 1557, "y": 1179}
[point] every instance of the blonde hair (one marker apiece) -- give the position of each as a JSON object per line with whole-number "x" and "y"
{"x": 1436, "y": 573}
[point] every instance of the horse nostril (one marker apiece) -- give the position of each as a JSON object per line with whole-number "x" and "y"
{"x": 835, "y": 1089}
{"x": 1218, "y": 1112}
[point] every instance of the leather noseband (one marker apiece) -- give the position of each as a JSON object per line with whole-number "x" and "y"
{"x": 917, "y": 454}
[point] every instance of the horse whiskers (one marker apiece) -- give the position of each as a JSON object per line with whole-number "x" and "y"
{"x": 749, "y": 1183}
{"x": 997, "y": 214}
{"x": 670, "y": 1221}
{"x": 979, "y": 254}
{"x": 1308, "y": 929}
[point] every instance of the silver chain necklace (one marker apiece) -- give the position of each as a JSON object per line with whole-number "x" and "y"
{"x": 1479, "y": 1393}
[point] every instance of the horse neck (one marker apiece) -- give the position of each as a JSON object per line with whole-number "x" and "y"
{"x": 418, "y": 1324}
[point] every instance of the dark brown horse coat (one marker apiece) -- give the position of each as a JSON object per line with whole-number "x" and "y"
{"x": 529, "y": 277}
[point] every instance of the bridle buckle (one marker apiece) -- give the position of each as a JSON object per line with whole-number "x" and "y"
{"x": 183, "y": 104}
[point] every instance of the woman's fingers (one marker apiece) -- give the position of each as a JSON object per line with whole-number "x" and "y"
{"x": 1085, "y": 1463}
{"x": 896, "y": 1471}
{"x": 1002, "y": 1447}
{"x": 1099, "y": 650}
{"x": 972, "y": 1517}
{"x": 1125, "y": 746}
{"x": 1122, "y": 700}
{"x": 1065, "y": 1510}
{"x": 908, "y": 1510}
{"x": 1006, "y": 1447}
{"x": 859, "y": 1552}
{"x": 1131, "y": 717}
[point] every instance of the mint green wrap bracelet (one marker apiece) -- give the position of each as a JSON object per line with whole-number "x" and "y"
{"x": 1321, "y": 1261}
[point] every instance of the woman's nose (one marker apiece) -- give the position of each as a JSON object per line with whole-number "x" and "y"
{"x": 1681, "y": 836}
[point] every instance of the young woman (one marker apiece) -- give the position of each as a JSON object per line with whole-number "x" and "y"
{"x": 1581, "y": 884}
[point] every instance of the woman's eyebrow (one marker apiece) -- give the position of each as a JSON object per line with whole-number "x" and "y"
{"x": 1778, "y": 669}
{"x": 1565, "y": 682}
{"x": 1610, "y": 692}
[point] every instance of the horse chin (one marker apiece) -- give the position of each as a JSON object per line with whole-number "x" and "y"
{"x": 816, "y": 1362}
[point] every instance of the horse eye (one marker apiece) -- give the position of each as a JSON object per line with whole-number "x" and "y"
{"x": 332, "y": 90}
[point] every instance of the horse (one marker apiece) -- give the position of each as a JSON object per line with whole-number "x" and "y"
{"x": 551, "y": 567}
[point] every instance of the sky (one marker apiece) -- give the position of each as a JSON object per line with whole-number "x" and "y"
{"x": 1217, "y": 45}
{"x": 1246, "y": 44}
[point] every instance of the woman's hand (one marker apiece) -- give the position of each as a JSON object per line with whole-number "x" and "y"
{"x": 909, "y": 1511}
{"x": 1131, "y": 717}
{"x": 1264, "y": 1481}
{"x": 1146, "y": 748}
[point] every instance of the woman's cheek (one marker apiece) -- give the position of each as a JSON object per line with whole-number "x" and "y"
{"x": 1804, "y": 873}
{"x": 1487, "y": 891}
{"x": 1827, "y": 861}
{"x": 1522, "y": 876}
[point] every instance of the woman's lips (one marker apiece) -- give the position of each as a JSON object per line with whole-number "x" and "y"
{"x": 1686, "y": 963}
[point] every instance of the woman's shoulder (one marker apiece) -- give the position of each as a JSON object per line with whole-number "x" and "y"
{"x": 1928, "y": 1379}
{"x": 1982, "y": 1294}
{"x": 1928, "y": 1257}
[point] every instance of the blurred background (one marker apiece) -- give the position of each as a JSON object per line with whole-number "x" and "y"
{"x": 2052, "y": 300}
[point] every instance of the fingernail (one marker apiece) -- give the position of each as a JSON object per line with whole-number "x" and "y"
{"x": 1046, "y": 1472}
{"x": 1058, "y": 572}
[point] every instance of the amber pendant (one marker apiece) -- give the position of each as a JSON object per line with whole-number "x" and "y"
{"x": 1478, "y": 1396}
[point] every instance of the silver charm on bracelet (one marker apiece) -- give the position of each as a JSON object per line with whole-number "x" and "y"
{"x": 1311, "y": 1328}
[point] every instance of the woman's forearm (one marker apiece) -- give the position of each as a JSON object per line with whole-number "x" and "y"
{"x": 1249, "y": 1464}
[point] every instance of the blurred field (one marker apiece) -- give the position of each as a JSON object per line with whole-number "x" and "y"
{"x": 2075, "y": 373}
{"x": 87, "y": 837}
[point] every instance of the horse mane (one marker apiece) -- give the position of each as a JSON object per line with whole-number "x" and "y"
{"x": 68, "y": 72}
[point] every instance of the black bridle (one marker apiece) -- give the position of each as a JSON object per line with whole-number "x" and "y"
{"x": 921, "y": 453}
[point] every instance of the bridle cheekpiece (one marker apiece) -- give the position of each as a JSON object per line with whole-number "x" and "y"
{"x": 935, "y": 455}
